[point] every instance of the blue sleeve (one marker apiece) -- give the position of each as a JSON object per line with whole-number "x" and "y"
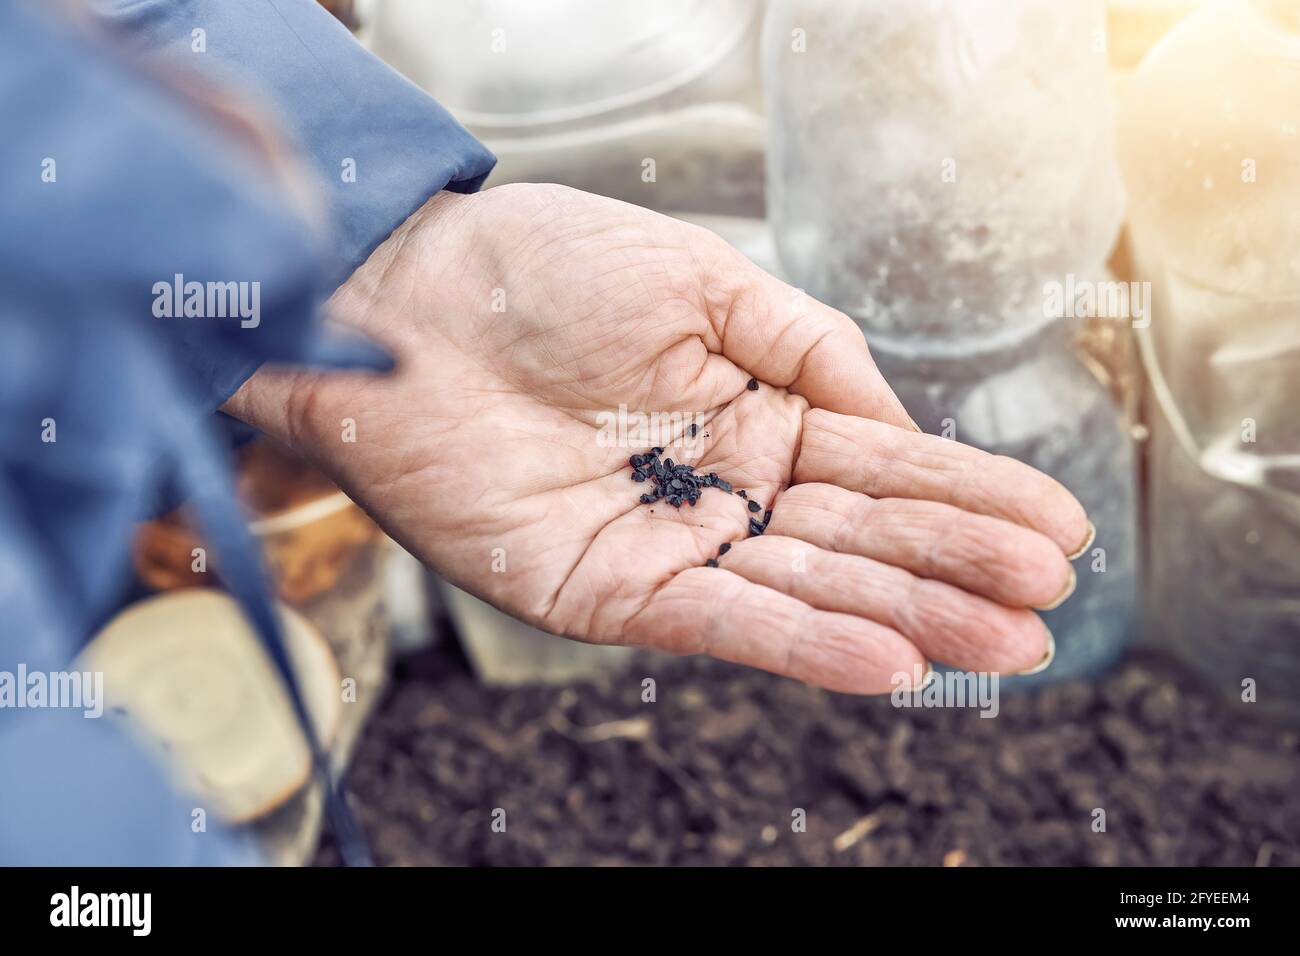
{"x": 78, "y": 792}
{"x": 112, "y": 186}
{"x": 379, "y": 145}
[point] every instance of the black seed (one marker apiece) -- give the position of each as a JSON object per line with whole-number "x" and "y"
{"x": 656, "y": 452}
{"x": 638, "y": 476}
{"x": 752, "y": 385}
{"x": 668, "y": 463}
{"x": 726, "y": 546}
{"x": 722, "y": 485}
{"x": 693, "y": 430}
{"x": 755, "y": 506}
{"x": 743, "y": 493}
{"x": 754, "y": 527}
{"x": 636, "y": 461}
{"x": 710, "y": 563}
{"x": 767, "y": 517}
{"x": 647, "y": 499}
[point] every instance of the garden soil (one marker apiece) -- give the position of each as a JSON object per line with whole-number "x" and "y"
{"x": 730, "y": 766}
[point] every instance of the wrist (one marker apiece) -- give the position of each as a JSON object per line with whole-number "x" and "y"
{"x": 408, "y": 277}
{"x": 409, "y": 274}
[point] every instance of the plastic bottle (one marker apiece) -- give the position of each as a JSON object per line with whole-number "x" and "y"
{"x": 932, "y": 167}
{"x": 1210, "y": 144}
{"x": 931, "y": 163}
{"x": 656, "y": 104}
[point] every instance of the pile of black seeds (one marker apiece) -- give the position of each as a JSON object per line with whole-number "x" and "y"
{"x": 711, "y": 772}
{"x": 675, "y": 483}
{"x": 679, "y": 484}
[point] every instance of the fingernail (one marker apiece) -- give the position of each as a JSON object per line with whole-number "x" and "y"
{"x": 925, "y": 679}
{"x": 1070, "y": 585}
{"x": 1087, "y": 542}
{"x": 1047, "y": 658}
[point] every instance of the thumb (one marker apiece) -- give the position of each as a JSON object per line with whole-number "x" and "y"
{"x": 785, "y": 337}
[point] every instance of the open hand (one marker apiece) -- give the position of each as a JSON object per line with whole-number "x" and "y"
{"x": 525, "y": 316}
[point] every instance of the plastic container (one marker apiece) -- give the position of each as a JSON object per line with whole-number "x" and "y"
{"x": 932, "y": 166}
{"x": 1034, "y": 401}
{"x": 327, "y": 560}
{"x": 505, "y": 651}
{"x": 1210, "y": 143}
{"x": 585, "y": 94}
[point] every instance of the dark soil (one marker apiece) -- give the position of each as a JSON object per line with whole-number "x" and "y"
{"x": 713, "y": 772}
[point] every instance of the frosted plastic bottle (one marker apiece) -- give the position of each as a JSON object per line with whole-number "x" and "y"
{"x": 931, "y": 163}
{"x": 931, "y": 166}
{"x": 1034, "y": 401}
{"x": 1210, "y": 144}
{"x": 584, "y": 92}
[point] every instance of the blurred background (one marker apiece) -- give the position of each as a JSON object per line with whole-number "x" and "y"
{"x": 1068, "y": 232}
